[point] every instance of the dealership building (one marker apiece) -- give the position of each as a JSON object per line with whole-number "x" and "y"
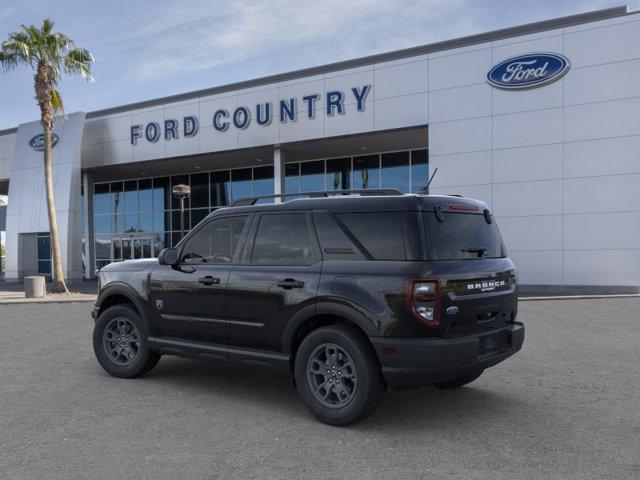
{"x": 540, "y": 121}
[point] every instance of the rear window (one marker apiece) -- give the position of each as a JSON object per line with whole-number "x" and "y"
{"x": 462, "y": 236}
{"x": 379, "y": 233}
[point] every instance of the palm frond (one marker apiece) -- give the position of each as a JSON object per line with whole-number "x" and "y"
{"x": 56, "y": 101}
{"x": 78, "y": 62}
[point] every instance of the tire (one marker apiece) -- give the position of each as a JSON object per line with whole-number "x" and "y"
{"x": 359, "y": 386}
{"x": 131, "y": 358}
{"x": 459, "y": 382}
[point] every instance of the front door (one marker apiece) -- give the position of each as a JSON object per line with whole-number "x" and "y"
{"x": 277, "y": 277}
{"x": 188, "y": 299}
{"x": 132, "y": 247}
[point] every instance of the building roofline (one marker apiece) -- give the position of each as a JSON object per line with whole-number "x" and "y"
{"x": 501, "y": 34}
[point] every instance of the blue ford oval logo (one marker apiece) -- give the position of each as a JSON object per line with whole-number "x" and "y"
{"x": 452, "y": 310}
{"x": 37, "y": 142}
{"x": 528, "y": 71}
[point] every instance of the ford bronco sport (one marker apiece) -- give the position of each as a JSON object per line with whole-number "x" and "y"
{"x": 347, "y": 294}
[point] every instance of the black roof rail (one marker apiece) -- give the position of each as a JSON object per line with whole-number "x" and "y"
{"x": 247, "y": 201}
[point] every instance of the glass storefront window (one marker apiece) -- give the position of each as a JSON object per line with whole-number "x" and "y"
{"x": 339, "y": 174}
{"x": 241, "y": 183}
{"x": 102, "y": 224}
{"x": 312, "y": 176}
{"x": 395, "y": 171}
{"x": 145, "y": 222}
{"x": 292, "y": 178}
{"x": 117, "y": 223}
{"x": 101, "y": 198}
{"x": 200, "y": 190}
{"x": 145, "y": 195}
{"x": 263, "y": 181}
{"x": 220, "y": 188}
{"x": 161, "y": 221}
{"x": 197, "y": 215}
{"x": 161, "y": 194}
{"x": 102, "y": 246}
{"x": 116, "y": 197}
{"x": 175, "y": 220}
{"x": 131, "y": 196}
{"x": 366, "y": 172}
{"x": 419, "y": 169}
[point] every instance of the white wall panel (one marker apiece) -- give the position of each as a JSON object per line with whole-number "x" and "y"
{"x": 550, "y": 41}
{"x": 345, "y": 83}
{"x": 601, "y": 120}
{"x": 540, "y": 162}
{"x": 117, "y": 127}
{"x": 531, "y": 233}
{"x": 212, "y": 140}
{"x": 603, "y": 45}
{"x": 601, "y": 267}
{"x": 210, "y": 105}
{"x": 460, "y": 69}
{"x": 612, "y": 193}
{"x": 398, "y": 112}
{"x": 538, "y": 267}
{"x": 528, "y": 128}
{"x": 527, "y": 198}
{"x": 512, "y": 101}
{"x": 459, "y": 103}
{"x": 302, "y": 129}
{"x": 402, "y": 79}
{"x": 460, "y": 136}
{"x": 602, "y": 231}
{"x": 473, "y": 168}
{"x": 599, "y": 83}
{"x": 602, "y": 157}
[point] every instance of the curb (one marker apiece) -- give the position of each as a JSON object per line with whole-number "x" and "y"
{"x": 37, "y": 301}
{"x": 577, "y": 297}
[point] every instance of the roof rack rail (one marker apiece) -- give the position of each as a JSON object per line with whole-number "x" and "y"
{"x": 247, "y": 201}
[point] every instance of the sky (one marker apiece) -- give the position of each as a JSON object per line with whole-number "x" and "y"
{"x": 148, "y": 49}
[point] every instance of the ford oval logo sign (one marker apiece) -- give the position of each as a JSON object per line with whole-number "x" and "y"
{"x": 37, "y": 142}
{"x": 528, "y": 71}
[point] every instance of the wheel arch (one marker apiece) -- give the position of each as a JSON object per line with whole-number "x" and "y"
{"x": 119, "y": 293}
{"x": 319, "y": 315}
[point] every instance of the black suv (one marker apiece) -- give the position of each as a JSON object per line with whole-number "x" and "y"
{"x": 347, "y": 294}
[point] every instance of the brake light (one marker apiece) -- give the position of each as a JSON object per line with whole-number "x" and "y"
{"x": 461, "y": 207}
{"x": 423, "y": 301}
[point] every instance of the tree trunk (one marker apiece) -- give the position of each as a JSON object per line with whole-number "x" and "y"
{"x": 59, "y": 285}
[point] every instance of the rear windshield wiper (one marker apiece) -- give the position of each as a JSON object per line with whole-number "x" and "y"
{"x": 478, "y": 250}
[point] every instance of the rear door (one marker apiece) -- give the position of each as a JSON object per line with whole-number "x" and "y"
{"x": 277, "y": 277}
{"x": 188, "y": 300}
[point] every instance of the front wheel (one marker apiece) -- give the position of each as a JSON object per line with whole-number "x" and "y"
{"x": 120, "y": 343}
{"x": 337, "y": 375}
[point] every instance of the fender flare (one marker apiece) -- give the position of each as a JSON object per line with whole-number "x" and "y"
{"x": 325, "y": 308}
{"x": 127, "y": 291}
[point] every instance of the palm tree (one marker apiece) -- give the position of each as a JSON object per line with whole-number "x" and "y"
{"x": 49, "y": 54}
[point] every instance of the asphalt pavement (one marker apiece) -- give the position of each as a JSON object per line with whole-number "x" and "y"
{"x": 566, "y": 406}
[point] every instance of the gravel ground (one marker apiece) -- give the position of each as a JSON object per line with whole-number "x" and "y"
{"x": 566, "y": 406}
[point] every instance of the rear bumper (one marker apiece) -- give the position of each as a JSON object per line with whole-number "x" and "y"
{"x": 424, "y": 361}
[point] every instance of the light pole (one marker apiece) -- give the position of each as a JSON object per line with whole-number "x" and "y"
{"x": 181, "y": 192}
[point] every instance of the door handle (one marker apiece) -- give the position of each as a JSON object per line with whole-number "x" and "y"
{"x": 289, "y": 283}
{"x": 209, "y": 280}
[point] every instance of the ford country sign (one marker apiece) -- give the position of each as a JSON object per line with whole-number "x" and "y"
{"x": 37, "y": 142}
{"x": 528, "y": 71}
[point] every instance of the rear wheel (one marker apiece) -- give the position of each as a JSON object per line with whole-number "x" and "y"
{"x": 459, "y": 382}
{"x": 337, "y": 375}
{"x": 120, "y": 343}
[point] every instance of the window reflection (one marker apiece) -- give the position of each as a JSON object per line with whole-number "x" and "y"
{"x": 366, "y": 172}
{"x": 395, "y": 171}
{"x": 312, "y": 176}
{"x": 339, "y": 174}
{"x": 241, "y": 183}
{"x": 419, "y": 169}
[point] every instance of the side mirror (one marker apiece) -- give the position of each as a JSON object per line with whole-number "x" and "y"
{"x": 168, "y": 256}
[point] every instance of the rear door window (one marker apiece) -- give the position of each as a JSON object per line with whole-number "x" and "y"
{"x": 283, "y": 239}
{"x": 462, "y": 236}
{"x": 380, "y": 233}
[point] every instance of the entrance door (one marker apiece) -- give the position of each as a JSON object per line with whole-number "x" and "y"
{"x": 132, "y": 247}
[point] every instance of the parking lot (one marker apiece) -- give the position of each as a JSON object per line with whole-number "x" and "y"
{"x": 565, "y": 407}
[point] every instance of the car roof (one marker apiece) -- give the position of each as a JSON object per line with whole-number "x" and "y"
{"x": 357, "y": 204}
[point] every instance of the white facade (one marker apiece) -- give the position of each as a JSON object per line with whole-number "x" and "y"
{"x": 559, "y": 165}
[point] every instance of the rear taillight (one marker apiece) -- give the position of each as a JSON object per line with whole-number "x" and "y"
{"x": 423, "y": 300}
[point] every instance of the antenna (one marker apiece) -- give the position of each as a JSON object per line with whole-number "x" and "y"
{"x": 425, "y": 190}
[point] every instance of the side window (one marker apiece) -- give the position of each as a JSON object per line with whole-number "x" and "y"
{"x": 380, "y": 233}
{"x": 216, "y": 242}
{"x": 283, "y": 240}
{"x": 334, "y": 242}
